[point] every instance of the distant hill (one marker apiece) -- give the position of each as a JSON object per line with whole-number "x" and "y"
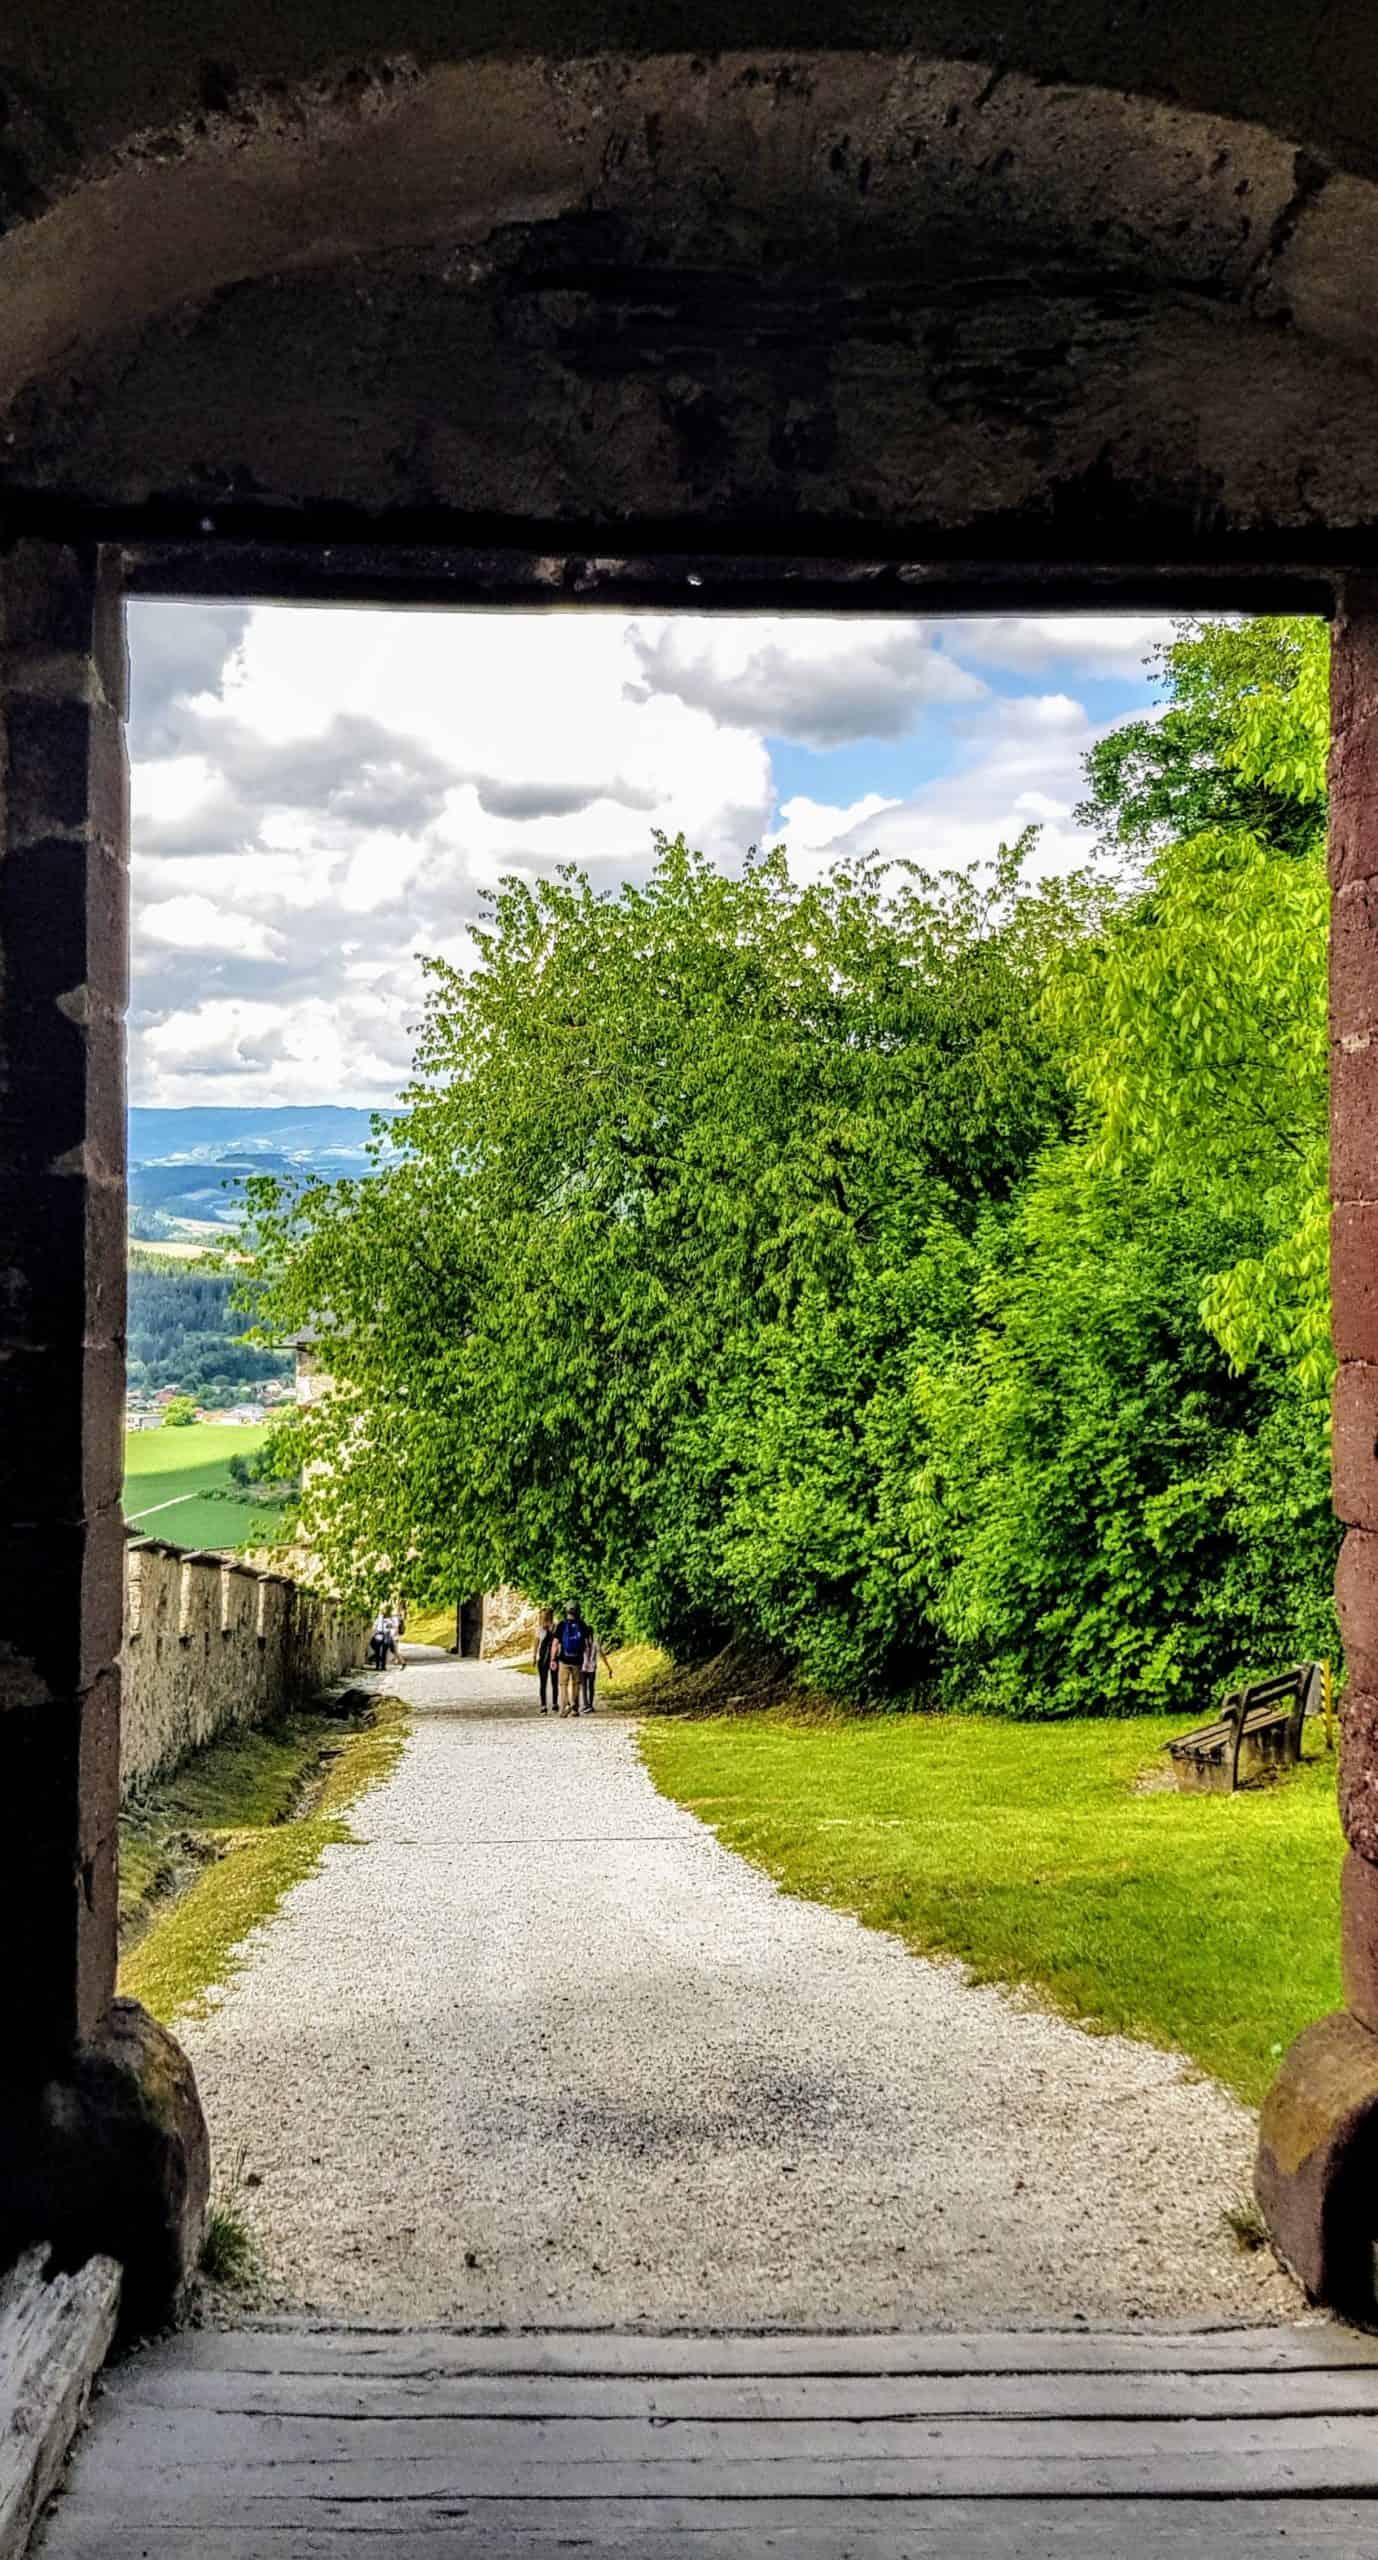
{"x": 187, "y": 1165}
{"x": 330, "y": 1128}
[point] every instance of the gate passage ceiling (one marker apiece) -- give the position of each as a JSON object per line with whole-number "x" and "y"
{"x": 1051, "y": 284}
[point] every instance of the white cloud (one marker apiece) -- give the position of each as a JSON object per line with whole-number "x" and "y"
{"x": 320, "y": 795}
{"x": 236, "y": 1050}
{"x": 1020, "y": 766}
{"x": 1095, "y": 644}
{"x": 823, "y": 683}
{"x": 198, "y": 924}
{"x": 810, "y": 829}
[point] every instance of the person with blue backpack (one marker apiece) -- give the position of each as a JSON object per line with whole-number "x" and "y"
{"x": 571, "y": 1636}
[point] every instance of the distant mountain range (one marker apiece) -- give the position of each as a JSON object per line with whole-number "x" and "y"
{"x": 188, "y": 1165}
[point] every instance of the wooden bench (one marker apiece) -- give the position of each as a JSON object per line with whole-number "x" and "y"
{"x": 1258, "y": 1729}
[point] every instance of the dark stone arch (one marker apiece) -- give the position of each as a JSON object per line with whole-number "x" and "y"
{"x": 874, "y": 289}
{"x": 1055, "y": 290}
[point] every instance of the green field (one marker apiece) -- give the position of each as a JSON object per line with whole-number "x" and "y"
{"x": 1206, "y": 1923}
{"x": 176, "y": 1484}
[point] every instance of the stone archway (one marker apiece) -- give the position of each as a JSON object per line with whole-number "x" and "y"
{"x": 898, "y": 317}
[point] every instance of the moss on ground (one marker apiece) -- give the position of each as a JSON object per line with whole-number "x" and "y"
{"x": 230, "y": 1835}
{"x": 1207, "y": 1924}
{"x": 243, "y": 1782}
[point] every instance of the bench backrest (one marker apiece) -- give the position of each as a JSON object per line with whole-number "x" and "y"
{"x": 1302, "y": 1685}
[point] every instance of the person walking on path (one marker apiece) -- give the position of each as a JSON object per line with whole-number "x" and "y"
{"x": 547, "y": 1663}
{"x": 593, "y": 1653}
{"x": 378, "y": 1641}
{"x": 569, "y": 1638}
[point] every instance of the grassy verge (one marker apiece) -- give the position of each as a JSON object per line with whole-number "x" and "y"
{"x": 177, "y": 1485}
{"x": 1204, "y": 1923}
{"x": 637, "y": 1670}
{"x": 205, "y": 1859}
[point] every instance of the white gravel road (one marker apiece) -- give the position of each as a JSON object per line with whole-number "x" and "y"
{"x": 537, "y": 2050}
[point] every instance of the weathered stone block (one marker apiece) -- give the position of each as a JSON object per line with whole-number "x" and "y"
{"x": 1354, "y": 1443}
{"x": 1354, "y": 750}
{"x": 112, "y": 2155}
{"x": 61, "y": 1255}
{"x": 1354, "y": 1121}
{"x": 71, "y": 1573}
{"x": 97, "y": 1930}
{"x": 65, "y": 902}
{"x": 66, "y": 770}
{"x": 59, "y": 1758}
{"x": 1359, "y": 1939}
{"x": 1354, "y": 961}
{"x": 1354, "y": 1279}
{"x": 1359, "y": 1770}
{"x": 64, "y": 1099}
{"x": 47, "y": 598}
{"x": 1353, "y": 845}
{"x": 1356, "y": 1606}
{"x": 98, "y": 1749}
{"x": 69, "y": 1416}
{"x": 110, "y": 634}
{"x": 1316, "y": 2175}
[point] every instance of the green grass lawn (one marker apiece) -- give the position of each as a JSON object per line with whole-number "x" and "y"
{"x": 210, "y": 1852}
{"x": 1206, "y": 1923}
{"x": 176, "y": 1481}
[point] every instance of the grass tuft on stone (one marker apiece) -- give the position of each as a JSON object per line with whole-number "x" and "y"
{"x": 1205, "y": 1924}
{"x": 230, "y": 2255}
{"x": 1246, "y": 2226}
{"x": 258, "y": 1851}
{"x": 229, "y": 2252}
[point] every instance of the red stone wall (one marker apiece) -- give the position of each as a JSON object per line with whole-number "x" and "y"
{"x": 1354, "y": 1264}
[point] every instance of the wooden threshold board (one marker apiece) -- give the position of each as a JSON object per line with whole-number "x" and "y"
{"x": 355, "y": 2444}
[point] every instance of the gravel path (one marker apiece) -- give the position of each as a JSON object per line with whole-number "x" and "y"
{"x": 538, "y": 2050}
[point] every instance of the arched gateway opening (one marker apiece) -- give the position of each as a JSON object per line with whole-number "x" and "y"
{"x": 894, "y": 321}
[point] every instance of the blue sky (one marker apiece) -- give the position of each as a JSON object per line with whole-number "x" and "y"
{"x": 320, "y": 795}
{"x": 896, "y": 767}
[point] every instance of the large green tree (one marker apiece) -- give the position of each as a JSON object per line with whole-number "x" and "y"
{"x": 689, "y": 1172}
{"x": 920, "y": 1276}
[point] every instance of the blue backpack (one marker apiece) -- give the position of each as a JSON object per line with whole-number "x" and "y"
{"x": 571, "y": 1640}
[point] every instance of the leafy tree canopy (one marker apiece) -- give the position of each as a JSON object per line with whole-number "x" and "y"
{"x": 688, "y": 1170}
{"x": 920, "y": 1275}
{"x": 1155, "y": 780}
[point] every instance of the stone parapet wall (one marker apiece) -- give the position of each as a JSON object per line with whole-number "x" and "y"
{"x": 210, "y": 1644}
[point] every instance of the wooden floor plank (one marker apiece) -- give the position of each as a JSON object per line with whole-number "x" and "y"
{"x": 1321, "y": 2345}
{"x": 1188, "y": 2529}
{"x": 437, "y": 2399}
{"x": 1326, "y": 2465}
{"x": 261, "y": 2453}
{"x": 299, "y": 2444}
